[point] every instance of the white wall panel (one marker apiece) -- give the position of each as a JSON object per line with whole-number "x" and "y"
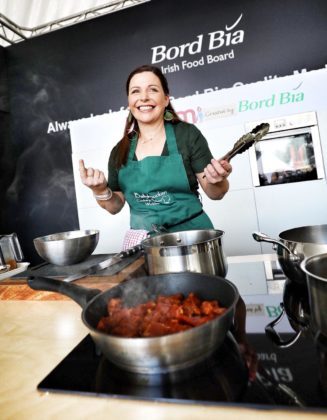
{"x": 283, "y": 207}
{"x": 236, "y": 215}
{"x": 111, "y": 227}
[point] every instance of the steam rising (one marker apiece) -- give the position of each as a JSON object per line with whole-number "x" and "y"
{"x": 141, "y": 290}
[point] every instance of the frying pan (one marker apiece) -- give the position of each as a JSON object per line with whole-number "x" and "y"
{"x": 153, "y": 354}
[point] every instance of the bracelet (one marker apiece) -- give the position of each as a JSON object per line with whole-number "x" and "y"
{"x": 104, "y": 197}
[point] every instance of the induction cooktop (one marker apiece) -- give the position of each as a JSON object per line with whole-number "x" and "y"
{"x": 288, "y": 378}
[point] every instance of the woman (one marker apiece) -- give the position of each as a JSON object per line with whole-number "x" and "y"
{"x": 157, "y": 168}
{"x": 158, "y": 165}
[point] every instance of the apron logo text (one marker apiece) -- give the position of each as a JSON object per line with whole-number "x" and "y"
{"x": 160, "y": 197}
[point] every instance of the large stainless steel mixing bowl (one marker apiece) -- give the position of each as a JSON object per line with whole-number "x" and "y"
{"x": 67, "y": 248}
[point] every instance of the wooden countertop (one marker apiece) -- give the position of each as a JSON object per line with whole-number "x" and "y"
{"x": 38, "y": 330}
{"x": 18, "y": 289}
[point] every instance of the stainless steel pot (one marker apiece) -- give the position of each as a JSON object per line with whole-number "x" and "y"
{"x": 155, "y": 354}
{"x": 294, "y": 245}
{"x": 315, "y": 270}
{"x": 199, "y": 251}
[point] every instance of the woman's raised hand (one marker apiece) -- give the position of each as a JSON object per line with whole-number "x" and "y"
{"x": 92, "y": 178}
{"x": 216, "y": 171}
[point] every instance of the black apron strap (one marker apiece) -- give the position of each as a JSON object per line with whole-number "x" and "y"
{"x": 164, "y": 228}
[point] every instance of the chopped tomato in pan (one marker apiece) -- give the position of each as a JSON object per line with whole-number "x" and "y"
{"x": 162, "y": 316}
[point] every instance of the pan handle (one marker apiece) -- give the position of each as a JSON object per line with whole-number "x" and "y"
{"x": 79, "y": 294}
{"x": 262, "y": 237}
{"x": 130, "y": 251}
{"x": 275, "y": 337}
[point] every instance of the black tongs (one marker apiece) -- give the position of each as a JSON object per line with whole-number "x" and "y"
{"x": 246, "y": 141}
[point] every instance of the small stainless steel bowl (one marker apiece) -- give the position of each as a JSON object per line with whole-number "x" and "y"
{"x": 67, "y": 248}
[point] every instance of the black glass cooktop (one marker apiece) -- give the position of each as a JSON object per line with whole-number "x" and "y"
{"x": 289, "y": 378}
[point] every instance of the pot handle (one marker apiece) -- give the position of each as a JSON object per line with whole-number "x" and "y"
{"x": 262, "y": 237}
{"x": 275, "y": 337}
{"x": 79, "y": 294}
{"x": 130, "y": 251}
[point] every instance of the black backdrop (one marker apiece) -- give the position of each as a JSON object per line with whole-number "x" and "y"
{"x": 6, "y": 147}
{"x": 81, "y": 70}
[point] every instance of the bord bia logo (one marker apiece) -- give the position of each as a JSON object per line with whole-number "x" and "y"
{"x": 212, "y": 41}
{"x": 282, "y": 98}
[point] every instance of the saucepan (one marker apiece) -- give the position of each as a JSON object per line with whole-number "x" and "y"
{"x": 153, "y": 354}
{"x": 294, "y": 245}
{"x": 315, "y": 270}
{"x": 199, "y": 251}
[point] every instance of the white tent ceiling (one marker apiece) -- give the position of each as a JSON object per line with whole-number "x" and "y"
{"x": 27, "y": 15}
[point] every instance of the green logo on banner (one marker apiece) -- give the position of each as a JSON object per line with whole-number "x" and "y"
{"x": 281, "y": 99}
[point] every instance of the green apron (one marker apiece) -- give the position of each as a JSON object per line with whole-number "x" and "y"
{"x": 158, "y": 191}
